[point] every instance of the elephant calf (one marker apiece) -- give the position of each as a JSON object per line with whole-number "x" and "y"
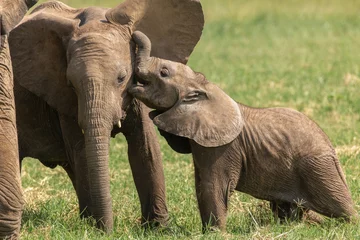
{"x": 275, "y": 154}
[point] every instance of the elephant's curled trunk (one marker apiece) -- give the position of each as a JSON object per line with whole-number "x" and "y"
{"x": 144, "y": 49}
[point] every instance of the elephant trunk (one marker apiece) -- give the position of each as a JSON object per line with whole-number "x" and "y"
{"x": 97, "y": 155}
{"x": 143, "y": 53}
{"x": 97, "y": 126}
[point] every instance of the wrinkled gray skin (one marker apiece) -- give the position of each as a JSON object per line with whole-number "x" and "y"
{"x": 11, "y": 199}
{"x": 71, "y": 71}
{"x": 275, "y": 154}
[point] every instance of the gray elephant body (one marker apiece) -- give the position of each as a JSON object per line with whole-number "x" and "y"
{"x": 11, "y": 199}
{"x": 71, "y": 71}
{"x": 276, "y": 154}
{"x": 280, "y": 156}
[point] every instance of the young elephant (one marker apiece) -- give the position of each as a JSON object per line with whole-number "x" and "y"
{"x": 275, "y": 154}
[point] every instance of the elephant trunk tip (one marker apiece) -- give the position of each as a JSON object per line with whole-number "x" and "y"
{"x": 144, "y": 44}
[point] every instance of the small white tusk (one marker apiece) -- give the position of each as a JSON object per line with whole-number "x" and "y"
{"x": 82, "y": 130}
{"x": 119, "y": 124}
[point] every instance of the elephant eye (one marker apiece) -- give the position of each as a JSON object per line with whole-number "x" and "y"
{"x": 164, "y": 72}
{"x": 121, "y": 79}
{"x": 69, "y": 84}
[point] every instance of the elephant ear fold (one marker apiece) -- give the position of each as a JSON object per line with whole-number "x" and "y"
{"x": 38, "y": 51}
{"x": 174, "y": 27}
{"x": 209, "y": 118}
{"x": 177, "y": 143}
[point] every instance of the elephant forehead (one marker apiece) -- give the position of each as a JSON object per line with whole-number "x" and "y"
{"x": 98, "y": 44}
{"x": 108, "y": 39}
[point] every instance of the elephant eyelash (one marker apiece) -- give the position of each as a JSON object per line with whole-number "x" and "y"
{"x": 194, "y": 96}
{"x": 120, "y": 79}
{"x": 164, "y": 72}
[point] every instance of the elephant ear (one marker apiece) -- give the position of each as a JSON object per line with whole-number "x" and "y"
{"x": 173, "y": 26}
{"x": 11, "y": 12}
{"x": 209, "y": 118}
{"x": 38, "y": 51}
{"x": 177, "y": 143}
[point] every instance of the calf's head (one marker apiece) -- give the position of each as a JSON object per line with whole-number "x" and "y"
{"x": 186, "y": 104}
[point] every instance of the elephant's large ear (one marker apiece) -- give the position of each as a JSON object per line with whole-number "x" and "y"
{"x": 38, "y": 51}
{"x": 210, "y": 118}
{"x": 173, "y": 26}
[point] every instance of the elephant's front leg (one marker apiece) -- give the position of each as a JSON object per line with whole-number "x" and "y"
{"x": 212, "y": 194}
{"x": 146, "y": 164}
{"x": 76, "y": 167}
{"x": 217, "y": 172}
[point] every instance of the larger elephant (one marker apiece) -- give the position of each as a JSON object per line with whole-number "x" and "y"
{"x": 11, "y": 199}
{"x": 71, "y": 71}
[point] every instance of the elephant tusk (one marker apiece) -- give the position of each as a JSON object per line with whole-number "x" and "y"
{"x": 119, "y": 124}
{"x": 82, "y": 130}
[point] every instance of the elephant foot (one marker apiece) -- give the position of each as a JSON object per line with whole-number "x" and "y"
{"x": 159, "y": 223}
{"x": 106, "y": 226}
{"x": 313, "y": 217}
{"x": 170, "y": 228}
{"x": 285, "y": 211}
{"x": 84, "y": 213}
{"x": 211, "y": 229}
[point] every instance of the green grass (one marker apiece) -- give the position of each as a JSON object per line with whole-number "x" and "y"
{"x": 299, "y": 54}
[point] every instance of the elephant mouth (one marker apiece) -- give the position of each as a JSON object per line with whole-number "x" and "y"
{"x": 117, "y": 126}
{"x": 140, "y": 82}
{"x": 138, "y": 86}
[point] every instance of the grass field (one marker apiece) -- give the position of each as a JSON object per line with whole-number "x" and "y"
{"x": 299, "y": 54}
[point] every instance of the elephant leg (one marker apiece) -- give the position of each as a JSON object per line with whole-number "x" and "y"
{"x": 326, "y": 191}
{"x": 76, "y": 167}
{"x": 212, "y": 194}
{"x": 286, "y": 211}
{"x": 11, "y": 198}
{"x": 81, "y": 191}
{"x": 146, "y": 164}
{"x": 312, "y": 217}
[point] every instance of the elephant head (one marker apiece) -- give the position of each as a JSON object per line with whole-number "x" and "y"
{"x": 186, "y": 104}
{"x": 11, "y": 199}
{"x": 80, "y": 61}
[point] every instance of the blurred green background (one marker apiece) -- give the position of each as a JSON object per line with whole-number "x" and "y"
{"x": 299, "y": 54}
